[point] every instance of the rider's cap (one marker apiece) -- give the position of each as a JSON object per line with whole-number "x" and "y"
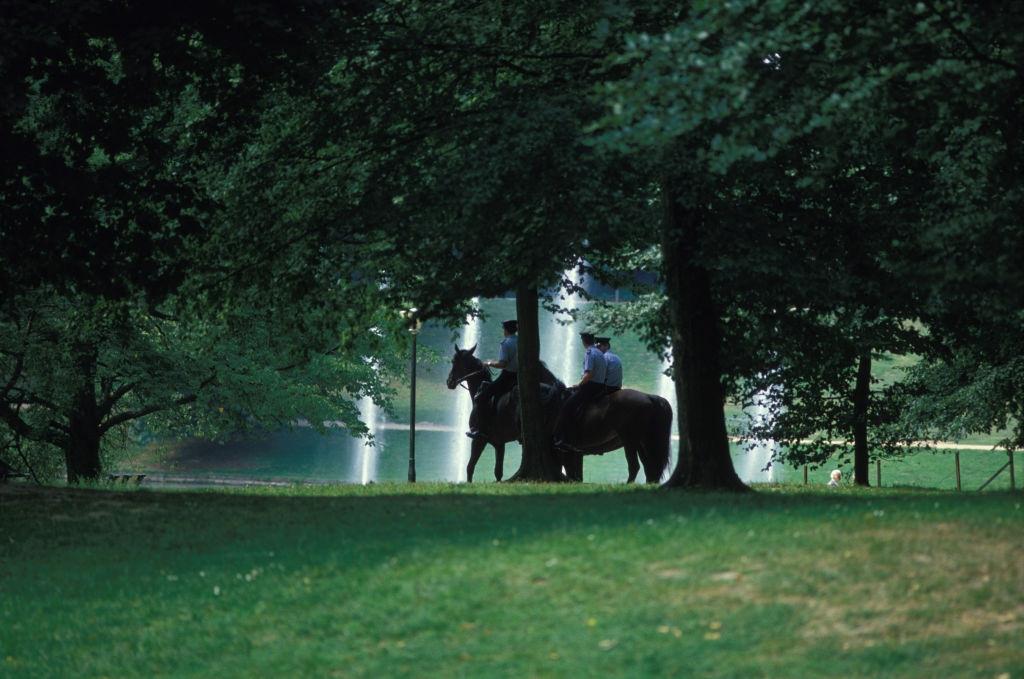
{"x": 587, "y": 337}
{"x": 602, "y": 340}
{"x": 511, "y": 325}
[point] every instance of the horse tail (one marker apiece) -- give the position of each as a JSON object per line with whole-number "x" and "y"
{"x": 659, "y": 439}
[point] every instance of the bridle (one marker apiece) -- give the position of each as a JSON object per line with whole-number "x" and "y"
{"x": 461, "y": 381}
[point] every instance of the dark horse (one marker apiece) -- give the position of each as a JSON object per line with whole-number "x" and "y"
{"x": 640, "y": 423}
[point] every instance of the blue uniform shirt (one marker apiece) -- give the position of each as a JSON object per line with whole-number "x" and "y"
{"x": 509, "y": 353}
{"x": 593, "y": 362}
{"x": 613, "y": 374}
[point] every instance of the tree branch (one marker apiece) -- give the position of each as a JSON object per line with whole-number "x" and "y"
{"x": 129, "y": 415}
{"x": 974, "y": 49}
{"x": 292, "y": 366}
{"x": 18, "y": 367}
{"x": 24, "y": 398}
{"x": 24, "y": 460}
{"x": 468, "y": 49}
{"x": 113, "y": 397}
{"x": 22, "y": 428}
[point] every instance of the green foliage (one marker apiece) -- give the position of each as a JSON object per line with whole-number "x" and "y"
{"x": 100, "y": 365}
{"x": 962, "y": 395}
{"x": 257, "y": 208}
{"x": 139, "y": 276}
{"x": 853, "y": 182}
{"x": 33, "y": 459}
{"x": 445, "y": 148}
{"x": 646, "y": 316}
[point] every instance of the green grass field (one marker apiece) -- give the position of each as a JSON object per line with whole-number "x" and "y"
{"x": 510, "y": 581}
{"x": 925, "y": 469}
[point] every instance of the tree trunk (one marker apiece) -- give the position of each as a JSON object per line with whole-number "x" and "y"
{"x": 704, "y": 460}
{"x": 861, "y": 399}
{"x": 538, "y": 462}
{"x": 82, "y": 452}
{"x": 82, "y": 455}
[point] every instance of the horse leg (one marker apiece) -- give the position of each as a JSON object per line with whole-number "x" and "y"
{"x": 632, "y": 463}
{"x": 499, "y": 461}
{"x": 475, "y": 451}
{"x": 636, "y": 454}
{"x": 574, "y": 467}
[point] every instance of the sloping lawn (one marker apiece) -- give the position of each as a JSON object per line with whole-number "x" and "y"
{"x": 510, "y": 581}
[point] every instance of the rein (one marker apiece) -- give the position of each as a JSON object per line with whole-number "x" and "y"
{"x": 465, "y": 377}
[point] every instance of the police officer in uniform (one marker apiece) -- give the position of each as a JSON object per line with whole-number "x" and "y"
{"x": 613, "y": 372}
{"x": 590, "y": 388}
{"x": 508, "y": 361}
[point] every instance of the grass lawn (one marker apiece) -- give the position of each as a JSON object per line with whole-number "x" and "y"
{"x": 510, "y": 581}
{"x": 934, "y": 469}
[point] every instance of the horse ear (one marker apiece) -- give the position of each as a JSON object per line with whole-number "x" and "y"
{"x": 457, "y": 348}
{"x": 471, "y": 349}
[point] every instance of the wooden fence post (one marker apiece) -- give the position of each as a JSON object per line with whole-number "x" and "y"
{"x": 878, "y": 473}
{"x": 805, "y": 475}
{"x": 1013, "y": 480}
{"x": 956, "y": 457}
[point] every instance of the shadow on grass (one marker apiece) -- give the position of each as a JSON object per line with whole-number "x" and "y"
{"x": 380, "y": 522}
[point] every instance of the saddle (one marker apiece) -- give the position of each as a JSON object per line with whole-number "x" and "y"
{"x": 484, "y": 392}
{"x": 549, "y": 393}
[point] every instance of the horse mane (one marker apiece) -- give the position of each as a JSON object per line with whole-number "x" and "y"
{"x": 478, "y": 365}
{"x": 548, "y": 377}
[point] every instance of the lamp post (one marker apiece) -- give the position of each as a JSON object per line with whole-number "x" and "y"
{"x": 414, "y": 324}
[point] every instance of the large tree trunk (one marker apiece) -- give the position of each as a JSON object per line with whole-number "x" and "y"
{"x": 82, "y": 454}
{"x": 704, "y": 460}
{"x": 861, "y": 400}
{"x": 538, "y": 462}
{"x": 82, "y": 451}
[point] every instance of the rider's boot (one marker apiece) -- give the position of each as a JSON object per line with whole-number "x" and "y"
{"x": 560, "y": 441}
{"x": 474, "y": 423}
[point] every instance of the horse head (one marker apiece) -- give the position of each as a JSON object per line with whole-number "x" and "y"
{"x": 464, "y": 363}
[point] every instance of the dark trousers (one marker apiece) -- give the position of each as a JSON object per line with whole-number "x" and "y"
{"x": 489, "y": 393}
{"x": 506, "y": 382}
{"x": 588, "y": 393}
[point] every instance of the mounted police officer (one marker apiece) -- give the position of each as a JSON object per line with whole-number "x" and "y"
{"x": 613, "y": 372}
{"x": 590, "y": 388}
{"x": 490, "y": 392}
